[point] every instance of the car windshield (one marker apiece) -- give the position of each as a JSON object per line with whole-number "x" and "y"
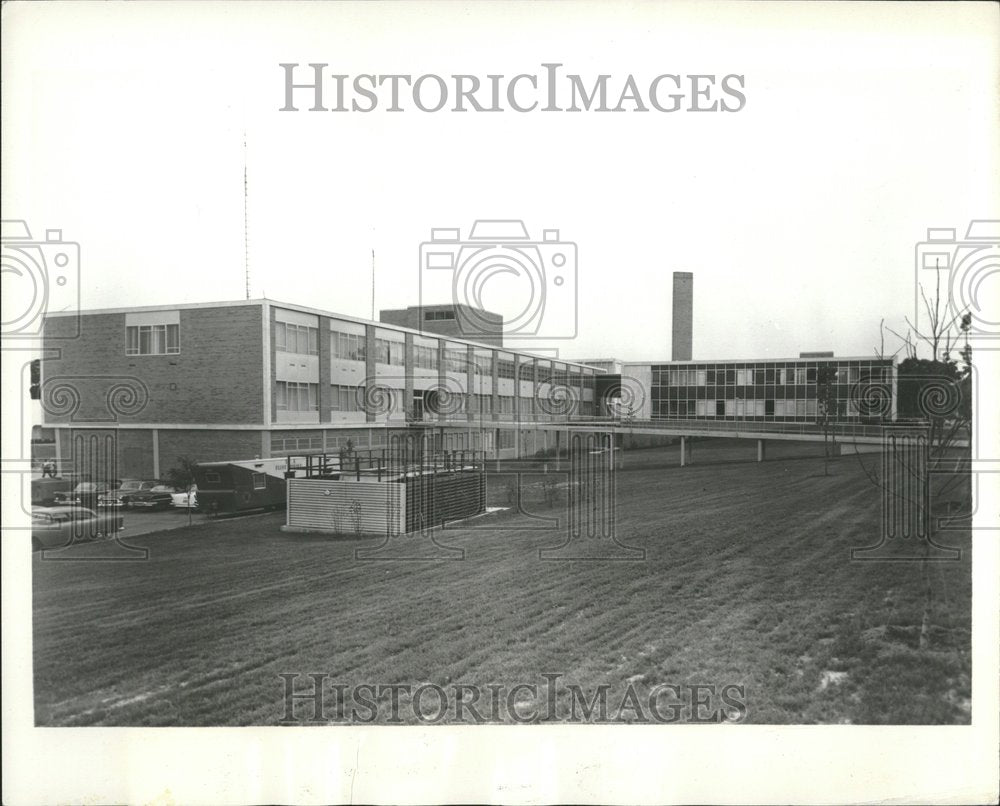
{"x": 162, "y": 488}
{"x": 131, "y": 485}
{"x": 85, "y": 487}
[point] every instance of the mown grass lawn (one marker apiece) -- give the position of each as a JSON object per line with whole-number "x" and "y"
{"x": 747, "y": 581}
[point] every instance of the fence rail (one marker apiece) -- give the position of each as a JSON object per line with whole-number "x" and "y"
{"x": 382, "y": 464}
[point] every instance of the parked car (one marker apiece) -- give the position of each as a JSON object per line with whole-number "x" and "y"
{"x": 85, "y": 494}
{"x": 188, "y": 500}
{"x": 57, "y": 527}
{"x": 43, "y": 491}
{"x": 159, "y": 496}
{"x": 117, "y": 498}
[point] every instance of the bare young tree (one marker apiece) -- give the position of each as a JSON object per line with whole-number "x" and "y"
{"x": 933, "y": 394}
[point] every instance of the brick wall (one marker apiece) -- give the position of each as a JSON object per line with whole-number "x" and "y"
{"x": 216, "y": 377}
{"x": 207, "y": 446}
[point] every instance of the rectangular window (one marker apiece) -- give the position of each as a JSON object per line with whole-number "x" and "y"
{"x": 344, "y": 398}
{"x": 758, "y": 377}
{"x": 389, "y": 352}
{"x": 800, "y": 376}
{"x": 293, "y": 396}
{"x": 484, "y": 365}
{"x": 800, "y": 408}
{"x": 730, "y": 408}
{"x": 260, "y": 481}
{"x": 741, "y": 377}
{"x": 425, "y": 357}
{"x": 741, "y": 408}
{"x": 347, "y": 346}
{"x": 720, "y": 408}
{"x": 456, "y": 359}
{"x": 291, "y": 338}
{"x": 811, "y": 375}
{"x": 152, "y": 340}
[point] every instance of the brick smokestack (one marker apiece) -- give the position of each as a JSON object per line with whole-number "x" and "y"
{"x": 680, "y": 343}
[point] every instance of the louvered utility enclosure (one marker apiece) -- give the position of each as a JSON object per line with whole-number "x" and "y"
{"x": 394, "y": 491}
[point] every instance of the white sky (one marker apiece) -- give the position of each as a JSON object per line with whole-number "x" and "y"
{"x": 864, "y": 126}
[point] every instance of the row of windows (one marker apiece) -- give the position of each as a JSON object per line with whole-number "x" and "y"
{"x": 334, "y": 441}
{"x": 294, "y": 396}
{"x": 152, "y": 340}
{"x": 738, "y": 408}
{"x": 430, "y": 316}
{"x": 304, "y": 340}
{"x": 780, "y": 376}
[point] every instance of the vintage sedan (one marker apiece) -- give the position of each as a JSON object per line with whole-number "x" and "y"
{"x": 86, "y": 494}
{"x": 188, "y": 500}
{"x": 117, "y": 498}
{"x": 157, "y": 497}
{"x": 58, "y": 527}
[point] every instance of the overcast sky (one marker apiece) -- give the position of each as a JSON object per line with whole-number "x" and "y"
{"x": 863, "y": 126}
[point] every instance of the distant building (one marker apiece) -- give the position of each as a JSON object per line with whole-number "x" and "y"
{"x": 460, "y": 321}
{"x": 768, "y": 390}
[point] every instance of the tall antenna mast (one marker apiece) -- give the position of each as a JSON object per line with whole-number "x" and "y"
{"x": 246, "y": 225}
{"x": 373, "y": 285}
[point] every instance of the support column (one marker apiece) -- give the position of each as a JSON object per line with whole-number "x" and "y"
{"x": 156, "y": 453}
{"x": 685, "y": 457}
{"x": 59, "y": 467}
{"x": 760, "y": 450}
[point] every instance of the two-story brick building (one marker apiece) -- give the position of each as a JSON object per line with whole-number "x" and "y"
{"x": 239, "y": 380}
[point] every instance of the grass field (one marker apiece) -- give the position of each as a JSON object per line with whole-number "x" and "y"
{"x": 747, "y": 581}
